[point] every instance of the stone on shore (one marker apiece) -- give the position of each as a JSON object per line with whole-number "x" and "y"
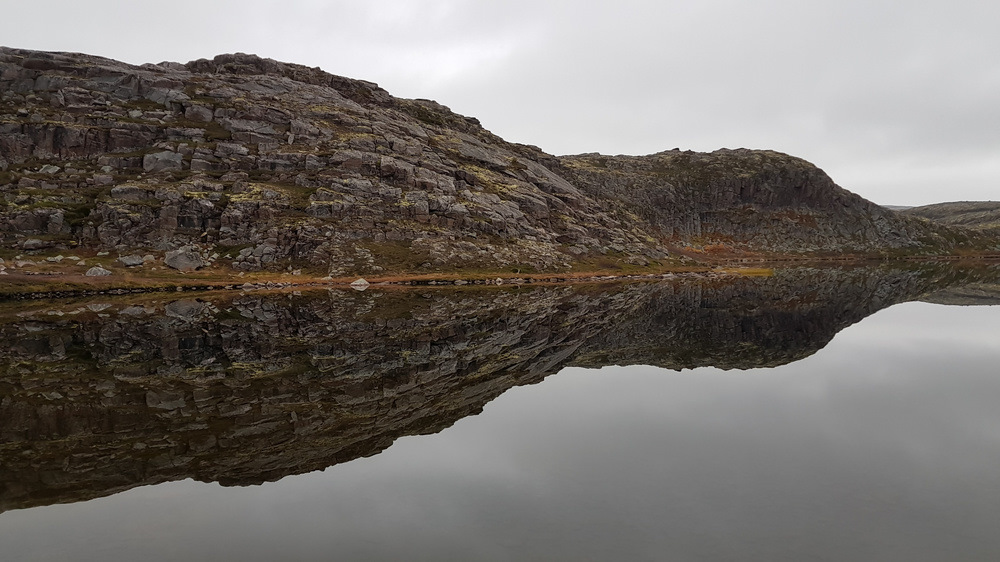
{"x": 131, "y": 261}
{"x": 184, "y": 259}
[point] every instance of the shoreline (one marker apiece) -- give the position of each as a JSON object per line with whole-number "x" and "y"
{"x": 104, "y": 286}
{"x": 18, "y": 286}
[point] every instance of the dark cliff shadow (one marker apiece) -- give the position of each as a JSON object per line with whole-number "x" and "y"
{"x": 97, "y": 397}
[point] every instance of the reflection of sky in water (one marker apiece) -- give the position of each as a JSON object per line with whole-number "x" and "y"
{"x": 885, "y": 445}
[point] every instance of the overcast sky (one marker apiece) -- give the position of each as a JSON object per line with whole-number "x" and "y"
{"x": 897, "y": 101}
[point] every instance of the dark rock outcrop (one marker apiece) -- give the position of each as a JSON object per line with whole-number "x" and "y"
{"x": 750, "y": 199}
{"x": 278, "y": 164}
{"x": 286, "y": 162}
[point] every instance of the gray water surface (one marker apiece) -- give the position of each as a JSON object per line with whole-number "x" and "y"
{"x": 884, "y": 444}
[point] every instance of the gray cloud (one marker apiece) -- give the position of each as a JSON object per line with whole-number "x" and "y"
{"x": 896, "y": 101}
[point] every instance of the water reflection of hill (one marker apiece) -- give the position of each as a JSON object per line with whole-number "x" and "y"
{"x": 973, "y": 294}
{"x": 98, "y": 397}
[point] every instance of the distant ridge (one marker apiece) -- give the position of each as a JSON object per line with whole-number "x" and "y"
{"x": 982, "y": 215}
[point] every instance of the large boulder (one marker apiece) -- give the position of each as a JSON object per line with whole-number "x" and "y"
{"x": 97, "y": 271}
{"x": 35, "y": 244}
{"x": 184, "y": 259}
{"x": 131, "y": 261}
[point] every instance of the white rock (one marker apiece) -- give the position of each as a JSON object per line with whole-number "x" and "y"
{"x": 131, "y": 261}
{"x": 184, "y": 259}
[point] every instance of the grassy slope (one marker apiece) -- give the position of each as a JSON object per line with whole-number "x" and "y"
{"x": 981, "y": 215}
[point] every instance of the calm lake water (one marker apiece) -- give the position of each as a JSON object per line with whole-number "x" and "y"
{"x": 872, "y": 434}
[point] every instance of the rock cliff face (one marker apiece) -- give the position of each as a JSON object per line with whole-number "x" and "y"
{"x": 752, "y": 199}
{"x": 101, "y": 396}
{"x": 276, "y": 163}
{"x": 270, "y": 165}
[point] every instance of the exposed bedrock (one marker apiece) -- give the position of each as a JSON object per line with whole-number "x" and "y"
{"x": 274, "y": 165}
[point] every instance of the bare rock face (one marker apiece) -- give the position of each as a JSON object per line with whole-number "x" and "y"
{"x": 754, "y": 199}
{"x": 184, "y": 259}
{"x": 162, "y": 161}
{"x": 289, "y": 164}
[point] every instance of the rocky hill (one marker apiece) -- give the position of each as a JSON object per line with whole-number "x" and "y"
{"x": 244, "y": 163}
{"x": 980, "y": 215}
{"x": 751, "y": 199}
